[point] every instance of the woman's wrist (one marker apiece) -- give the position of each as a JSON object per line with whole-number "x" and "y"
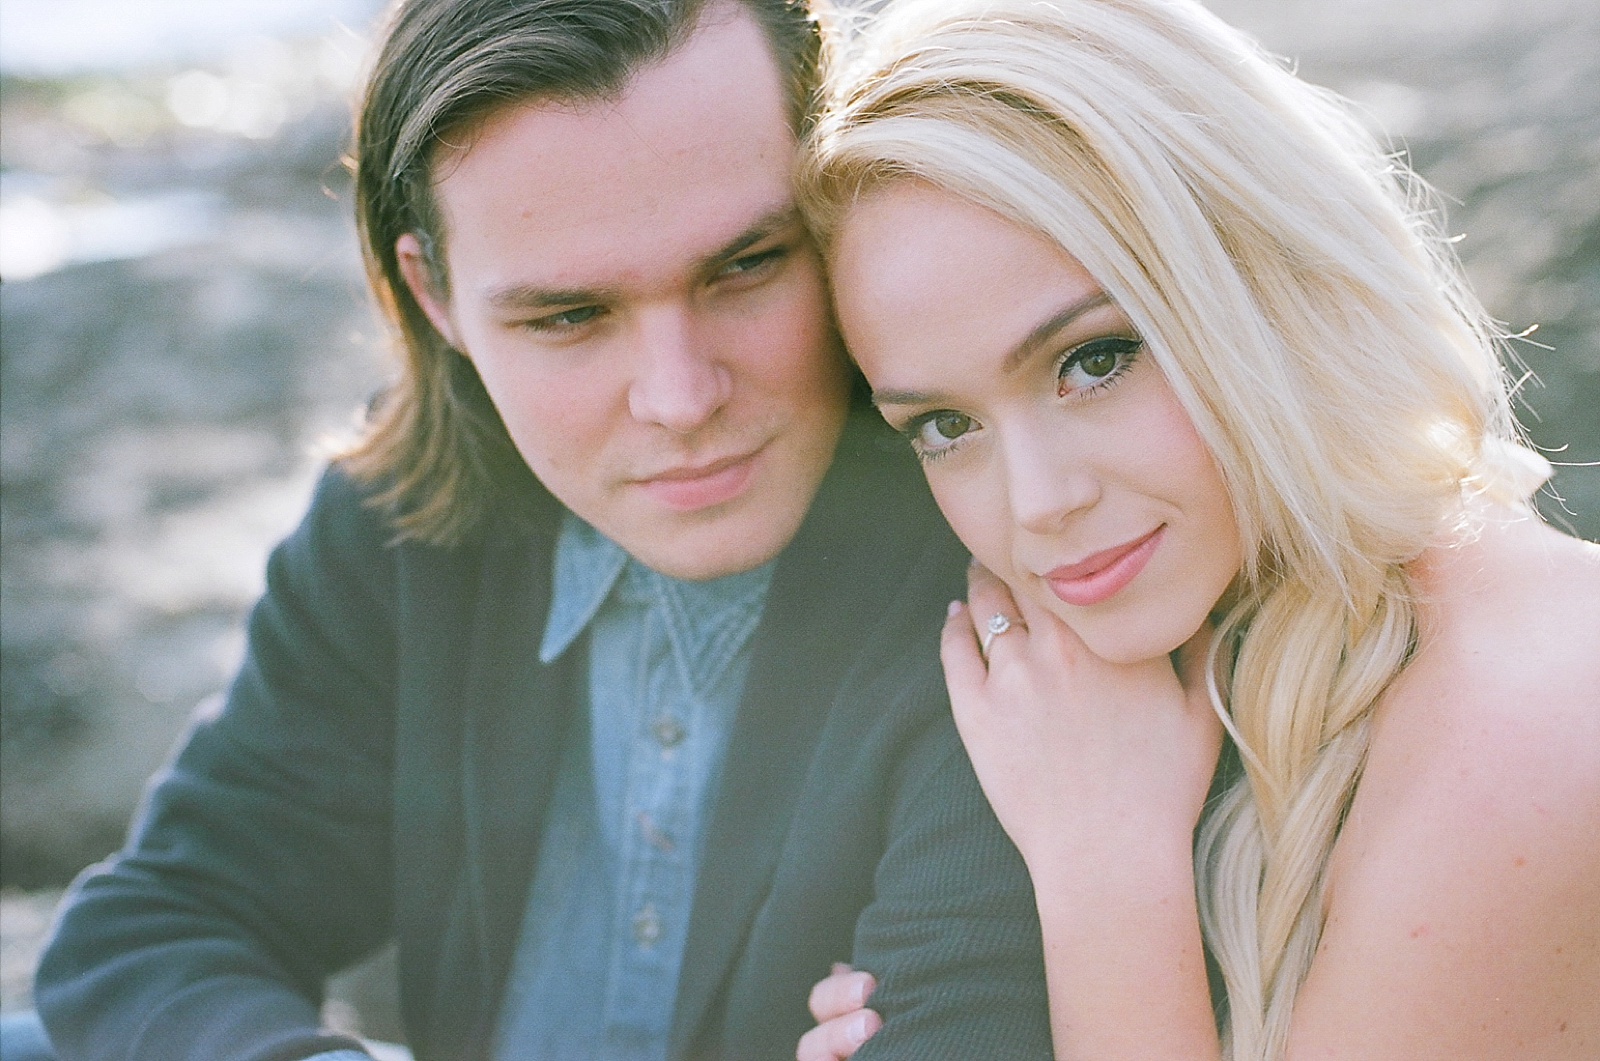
{"x": 1113, "y": 857}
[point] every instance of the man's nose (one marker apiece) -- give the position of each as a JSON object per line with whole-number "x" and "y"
{"x": 680, "y": 382}
{"x": 1046, "y": 484}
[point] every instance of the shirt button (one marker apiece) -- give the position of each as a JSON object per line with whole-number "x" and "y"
{"x": 654, "y": 836}
{"x": 668, "y": 731}
{"x": 647, "y": 926}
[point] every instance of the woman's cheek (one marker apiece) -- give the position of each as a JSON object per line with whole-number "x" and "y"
{"x": 978, "y": 515}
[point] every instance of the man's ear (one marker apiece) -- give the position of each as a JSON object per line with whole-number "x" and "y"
{"x": 418, "y": 276}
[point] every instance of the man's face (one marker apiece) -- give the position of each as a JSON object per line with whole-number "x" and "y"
{"x": 631, "y": 281}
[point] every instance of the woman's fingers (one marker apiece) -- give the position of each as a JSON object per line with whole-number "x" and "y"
{"x": 989, "y": 622}
{"x": 838, "y": 1039}
{"x": 964, "y": 667}
{"x": 988, "y": 597}
{"x": 843, "y": 1023}
{"x": 844, "y": 991}
{"x": 994, "y": 612}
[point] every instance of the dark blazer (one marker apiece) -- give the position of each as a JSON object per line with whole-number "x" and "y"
{"x": 382, "y": 764}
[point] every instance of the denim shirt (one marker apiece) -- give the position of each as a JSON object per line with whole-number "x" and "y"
{"x": 596, "y": 970}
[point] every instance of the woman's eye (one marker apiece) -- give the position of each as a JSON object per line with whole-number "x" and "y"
{"x": 1095, "y": 363}
{"x": 934, "y": 433}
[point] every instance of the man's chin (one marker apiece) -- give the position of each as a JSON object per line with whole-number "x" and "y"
{"x": 738, "y": 541}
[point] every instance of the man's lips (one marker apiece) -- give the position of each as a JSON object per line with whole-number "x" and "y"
{"x": 1101, "y": 576}
{"x": 692, "y": 487}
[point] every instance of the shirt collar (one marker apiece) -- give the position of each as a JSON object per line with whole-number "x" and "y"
{"x": 587, "y": 565}
{"x": 708, "y": 618}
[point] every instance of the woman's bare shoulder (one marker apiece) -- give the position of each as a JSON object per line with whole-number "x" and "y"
{"x": 1466, "y": 880}
{"x": 1505, "y": 684}
{"x": 1508, "y": 617}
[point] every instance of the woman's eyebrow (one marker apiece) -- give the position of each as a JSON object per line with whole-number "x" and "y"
{"x": 897, "y": 397}
{"x": 1049, "y": 327}
{"x": 1018, "y": 355}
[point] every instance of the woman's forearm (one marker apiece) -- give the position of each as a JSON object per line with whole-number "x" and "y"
{"x": 1123, "y": 958}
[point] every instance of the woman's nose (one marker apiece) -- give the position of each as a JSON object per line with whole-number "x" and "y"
{"x": 1046, "y": 484}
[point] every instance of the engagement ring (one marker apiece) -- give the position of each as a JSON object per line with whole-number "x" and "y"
{"x": 997, "y": 625}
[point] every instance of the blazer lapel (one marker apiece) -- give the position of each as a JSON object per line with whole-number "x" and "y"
{"x": 825, "y": 591}
{"x": 517, "y": 715}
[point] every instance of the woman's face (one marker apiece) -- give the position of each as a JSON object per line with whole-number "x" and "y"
{"x": 1051, "y": 439}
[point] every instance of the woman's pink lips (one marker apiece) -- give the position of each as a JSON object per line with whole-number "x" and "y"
{"x": 1102, "y": 576}
{"x": 691, "y": 489}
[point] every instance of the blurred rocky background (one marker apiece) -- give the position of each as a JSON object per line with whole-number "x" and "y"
{"x": 183, "y": 328}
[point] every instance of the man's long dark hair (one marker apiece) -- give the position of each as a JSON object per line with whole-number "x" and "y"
{"x": 433, "y": 439}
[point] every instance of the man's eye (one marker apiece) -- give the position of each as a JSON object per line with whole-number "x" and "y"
{"x": 933, "y": 433}
{"x": 750, "y": 263}
{"x": 567, "y": 318}
{"x": 1096, "y": 364}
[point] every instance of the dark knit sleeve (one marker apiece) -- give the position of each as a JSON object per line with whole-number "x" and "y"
{"x": 952, "y": 933}
{"x": 260, "y": 861}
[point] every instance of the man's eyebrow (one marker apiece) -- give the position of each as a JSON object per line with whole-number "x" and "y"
{"x": 530, "y": 297}
{"x": 767, "y": 225}
{"x": 1018, "y": 354}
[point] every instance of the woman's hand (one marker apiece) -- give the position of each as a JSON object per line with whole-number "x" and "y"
{"x": 1098, "y": 771}
{"x": 1082, "y": 759}
{"x": 843, "y": 1021}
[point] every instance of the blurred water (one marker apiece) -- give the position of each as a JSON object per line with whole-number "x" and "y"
{"x": 128, "y": 72}
{"x": 52, "y": 38}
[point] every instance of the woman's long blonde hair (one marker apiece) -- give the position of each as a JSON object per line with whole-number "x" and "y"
{"x": 1293, "y": 283}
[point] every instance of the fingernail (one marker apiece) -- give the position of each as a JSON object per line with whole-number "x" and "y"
{"x": 863, "y": 990}
{"x": 953, "y": 610}
{"x": 861, "y": 1027}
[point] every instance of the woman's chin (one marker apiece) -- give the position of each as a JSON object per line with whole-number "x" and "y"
{"x": 1127, "y": 641}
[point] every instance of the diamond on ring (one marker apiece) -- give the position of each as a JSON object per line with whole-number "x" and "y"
{"x": 998, "y": 624}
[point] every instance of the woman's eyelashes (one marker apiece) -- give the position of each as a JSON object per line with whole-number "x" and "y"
{"x": 1082, "y": 372}
{"x": 1096, "y": 364}
{"x": 933, "y": 434}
